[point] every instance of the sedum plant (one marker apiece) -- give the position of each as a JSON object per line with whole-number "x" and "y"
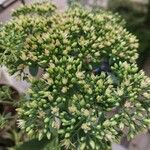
{"x": 91, "y": 92}
{"x": 16, "y": 34}
{"x": 37, "y": 9}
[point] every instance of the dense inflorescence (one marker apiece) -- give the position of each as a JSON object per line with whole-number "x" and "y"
{"x": 91, "y": 92}
{"x": 17, "y": 33}
{"x": 37, "y": 9}
{"x": 30, "y": 40}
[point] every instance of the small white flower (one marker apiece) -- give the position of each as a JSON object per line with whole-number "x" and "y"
{"x": 80, "y": 74}
{"x": 120, "y": 92}
{"x": 72, "y": 109}
{"x": 64, "y": 80}
{"x": 55, "y": 110}
{"x": 21, "y": 123}
{"x": 56, "y": 123}
{"x": 146, "y": 95}
{"x": 85, "y": 127}
{"x": 64, "y": 89}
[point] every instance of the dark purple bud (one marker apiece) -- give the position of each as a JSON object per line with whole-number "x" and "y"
{"x": 105, "y": 65}
{"x": 97, "y": 71}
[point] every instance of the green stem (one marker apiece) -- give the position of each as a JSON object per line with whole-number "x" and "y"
{"x": 6, "y": 102}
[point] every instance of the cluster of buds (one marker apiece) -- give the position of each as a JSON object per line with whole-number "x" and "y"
{"x": 92, "y": 108}
{"x": 80, "y": 33}
{"x": 91, "y": 92}
{"x": 19, "y": 37}
{"x": 36, "y": 9}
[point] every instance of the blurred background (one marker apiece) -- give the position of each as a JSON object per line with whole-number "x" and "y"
{"x": 135, "y": 12}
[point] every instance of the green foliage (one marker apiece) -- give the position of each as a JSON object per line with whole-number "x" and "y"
{"x": 3, "y": 121}
{"x": 5, "y": 94}
{"x": 6, "y": 106}
{"x": 7, "y": 114}
{"x": 34, "y": 144}
{"x": 92, "y": 91}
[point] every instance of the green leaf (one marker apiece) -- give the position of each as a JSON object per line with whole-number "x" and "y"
{"x": 34, "y": 144}
{"x": 53, "y": 145}
{"x": 33, "y": 70}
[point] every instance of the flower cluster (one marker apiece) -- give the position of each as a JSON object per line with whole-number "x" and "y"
{"x": 85, "y": 109}
{"x": 31, "y": 40}
{"x": 36, "y": 9}
{"x": 16, "y": 35}
{"x": 91, "y": 92}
